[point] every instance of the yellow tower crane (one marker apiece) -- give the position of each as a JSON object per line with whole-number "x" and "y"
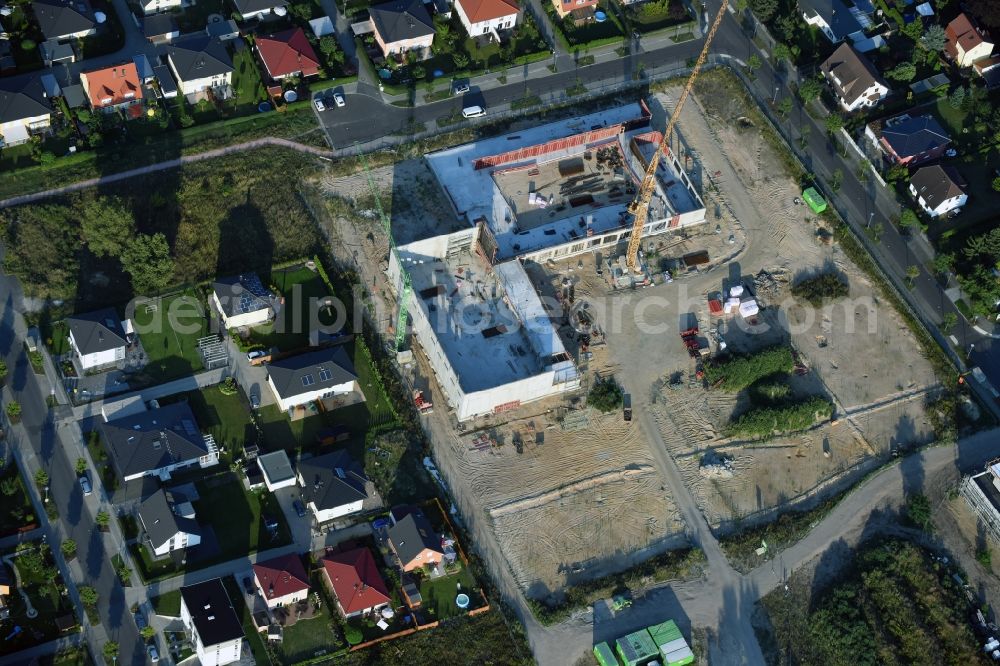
{"x": 639, "y": 207}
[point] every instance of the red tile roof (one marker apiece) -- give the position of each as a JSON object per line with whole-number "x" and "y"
{"x": 487, "y": 10}
{"x": 288, "y": 52}
{"x": 356, "y": 580}
{"x": 281, "y": 576}
{"x": 962, "y": 31}
{"x": 113, "y": 85}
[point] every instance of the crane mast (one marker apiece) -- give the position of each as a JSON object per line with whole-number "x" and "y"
{"x": 639, "y": 207}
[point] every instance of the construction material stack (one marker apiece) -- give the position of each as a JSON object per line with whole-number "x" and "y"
{"x": 671, "y": 644}
{"x": 605, "y": 655}
{"x": 637, "y": 648}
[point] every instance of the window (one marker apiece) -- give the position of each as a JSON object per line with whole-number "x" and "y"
{"x": 324, "y": 375}
{"x": 307, "y": 380}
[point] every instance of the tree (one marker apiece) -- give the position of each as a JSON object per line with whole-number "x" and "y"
{"x": 782, "y": 52}
{"x": 125, "y": 574}
{"x": 146, "y": 257}
{"x": 918, "y": 511}
{"x": 914, "y": 30}
{"x": 460, "y": 60}
{"x": 68, "y": 548}
{"x": 904, "y": 72}
{"x": 810, "y": 89}
{"x": 3, "y": 365}
{"x": 353, "y": 635}
{"x": 957, "y": 98}
{"x": 147, "y": 632}
{"x": 88, "y": 595}
{"x": 328, "y": 45}
{"x": 934, "y": 39}
{"x": 105, "y": 225}
{"x": 9, "y": 487}
{"x": 81, "y": 465}
{"x": 41, "y": 478}
{"x": 912, "y": 273}
{"x": 753, "y": 62}
{"x": 14, "y": 410}
{"x": 908, "y": 219}
{"x": 785, "y": 107}
{"x": 836, "y": 180}
{"x": 834, "y": 123}
{"x": 102, "y": 519}
{"x": 995, "y": 185}
{"x": 110, "y": 651}
{"x": 764, "y": 9}
{"x": 605, "y": 396}
{"x": 944, "y": 263}
{"x": 949, "y": 321}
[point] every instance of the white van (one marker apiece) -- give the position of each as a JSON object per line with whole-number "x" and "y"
{"x": 473, "y": 112}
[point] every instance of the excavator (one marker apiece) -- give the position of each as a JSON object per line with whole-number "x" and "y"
{"x": 639, "y": 207}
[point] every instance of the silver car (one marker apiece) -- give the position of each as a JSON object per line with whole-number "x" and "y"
{"x": 85, "y": 485}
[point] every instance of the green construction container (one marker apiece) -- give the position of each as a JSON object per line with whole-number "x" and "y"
{"x": 637, "y": 648}
{"x": 672, "y": 646}
{"x": 815, "y": 200}
{"x": 664, "y": 632}
{"x": 605, "y": 655}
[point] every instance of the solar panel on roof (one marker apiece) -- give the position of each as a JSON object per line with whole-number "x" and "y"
{"x": 324, "y": 375}
{"x": 252, "y": 284}
{"x": 307, "y": 380}
{"x": 189, "y": 427}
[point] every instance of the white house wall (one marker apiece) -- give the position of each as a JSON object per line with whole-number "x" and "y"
{"x": 305, "y": 398}
{"x": 484, "y": 27}
{"x": 179, "y": 541}
{"x": 335, "y": 512}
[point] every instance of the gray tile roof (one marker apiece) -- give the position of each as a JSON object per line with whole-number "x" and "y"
{"x": 276, "y": 466}
{"x": 311, "y": 371}
{"x": 251, "y": 6}
{"x": 914, "y": 135}
{"x": 212, "y": 612}
{"x": 74, "y": 95}
{"x": 853, "y": 71}
{"x": 836, "y": 15}
{"x": 158, "y": 25}
{"x": 22, "y": 97}
{"x": 240, "y": 294}
{"x": 401, "y": 19}
{"x": 199, "y": 58}
{"x": 155, "y": 439}
{"x": 937, "y": 183}
{"x": 165, "y": 79}
{"x": 333, "y": 480}
{"x": 97, "y": 331}
{"x": 159, "y": 520}
{"x": 58, "y": 18}
{"x": 411, "y": 534}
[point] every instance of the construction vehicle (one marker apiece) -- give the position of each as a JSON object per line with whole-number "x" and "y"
{"x": 627, "y": 406}
{"x": 422, "y": 405}
{"x": 639, "y": 207}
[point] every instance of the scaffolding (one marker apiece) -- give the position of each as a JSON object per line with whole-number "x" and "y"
{"x": 213, "y": 352}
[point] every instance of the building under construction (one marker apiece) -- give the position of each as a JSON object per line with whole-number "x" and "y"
{"x": 548, "y": 192}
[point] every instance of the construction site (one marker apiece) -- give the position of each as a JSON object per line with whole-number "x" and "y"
{"x": 511, "y": 325}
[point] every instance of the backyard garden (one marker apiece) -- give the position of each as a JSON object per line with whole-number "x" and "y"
{"x": 16, "y": 512}
{"x": 41, "y": 581}
{"x": 590, "y": 34}
{"x": 169, "y": 328}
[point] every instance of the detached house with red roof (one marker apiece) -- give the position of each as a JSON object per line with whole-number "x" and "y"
{"x": 966, "y": 42}
{"x": 113, "y": 87}
{"x": 287, "y": 53}
{"x": 355, "y": 581}
{"x": 483, "y": 17}
{"x": 282, "y": 581}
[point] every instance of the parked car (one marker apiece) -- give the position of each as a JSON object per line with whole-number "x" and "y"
{"x": 300, "y": 509}
{"x": 140, "y": 620}
{"x": 319, "y": 104}
{"x": 85, "y": 485}
{"x": 460, "y": 88}
{"x": 339, "y": 100}
{"x": 254, "y": 399}
{"x": 154, "y": 656}
{"x": 256, "y": 353}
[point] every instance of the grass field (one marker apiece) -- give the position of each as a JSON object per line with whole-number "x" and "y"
{"x": 225, "y": 417}
{"x": 168, "y": 604}
{"x": 308, "y": 638}
{"x": 169, "y": 335}
{"x": 290, "y": 331}
{"x": 439, "y": 594}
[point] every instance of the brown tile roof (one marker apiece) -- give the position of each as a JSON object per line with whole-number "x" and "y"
{"x": 356, "y": 580}
{"x": 112, "y": 85}
{"x": 962, "y": 31}
{"x": 487, "y": 10}
{"x": 853, "y": 72}
{"x": 281, "y": 576}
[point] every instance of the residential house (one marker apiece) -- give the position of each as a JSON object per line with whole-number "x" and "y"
{"x": 333, "y": 485}
{"x": 168, "y": 87}
{"x": 168, "y": 519}
{"x": 909, "y": 140}
{"x": 277, "y": 470}
{"x": 833, "y": 18}
{"x": 98, "y": 338}
{"x": 64, "y": 19}
{"x": 223, "y": 30}
{"x": 150, "y": 7}
{"x": 854, "y": 80}
{"x": 158, "y": 442}
{"x": 24, "y": 109}
{"x": 355, "y": 581}
{"x": 582, "y": 10}
{"x": 282, "y": 581}
{"x": 938, "y": 189}
{"x": 251, "y": 9}
{"x": 54, "y": 52}
{"x": 287, "y": 53}
{"x": 242, "y": 300}
{"x": 210, "y": 619}
{"x": 966, "y": 42}
{"x": 305, "y": 378}
{"x": 201, "y": 65}
{"x": 403, "y": 26}
{"x": 413, "y": 540}
{"x": 989, "y": 69}
{"x": 160, "y": 28}
{"x": 488, "y": 17}
{"x": 112, "y": 88}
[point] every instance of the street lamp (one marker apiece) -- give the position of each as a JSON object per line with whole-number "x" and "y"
{"x": 46, "y": 494}
{"x": 870, "y": 217}
{"x": 775, "y": 100}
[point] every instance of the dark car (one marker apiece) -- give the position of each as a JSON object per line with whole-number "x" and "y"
{"x": 254, "y": 399}
{"x": 300, "y": 510}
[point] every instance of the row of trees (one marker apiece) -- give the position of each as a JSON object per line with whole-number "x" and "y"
{"x": 739, "y": 372}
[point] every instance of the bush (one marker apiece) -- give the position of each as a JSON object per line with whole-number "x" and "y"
{"x": 353, "y": 635}
{"x": 68, "y": 548}
{"x": 766, "y": 421}
{"x": 88, "y": 595}
{"x": 605, "y": 396}
{"x": 14, "y": 410}
{"x": 815, "y": 290}
{"x": 918, "y": 511}
{"x": 739, "y": 372}
{"x": 228, "y": 387}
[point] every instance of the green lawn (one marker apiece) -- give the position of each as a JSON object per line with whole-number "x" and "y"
{"x": 15, "y": 508}
{"x": 439, "y": 594}
{"x": 308, "y": 638}
{"x": 247, "y": 85}
{"x": 169, "y": 329}
{"x": 224, "y": 417}
{"x": 299, "y": 285}
{"x": 168, "y": 603}
{"x": 57, "y": 339}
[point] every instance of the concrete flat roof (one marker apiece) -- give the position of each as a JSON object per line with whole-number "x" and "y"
{"x": 492, "y": 327}
{"x": 493, "y": 193}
